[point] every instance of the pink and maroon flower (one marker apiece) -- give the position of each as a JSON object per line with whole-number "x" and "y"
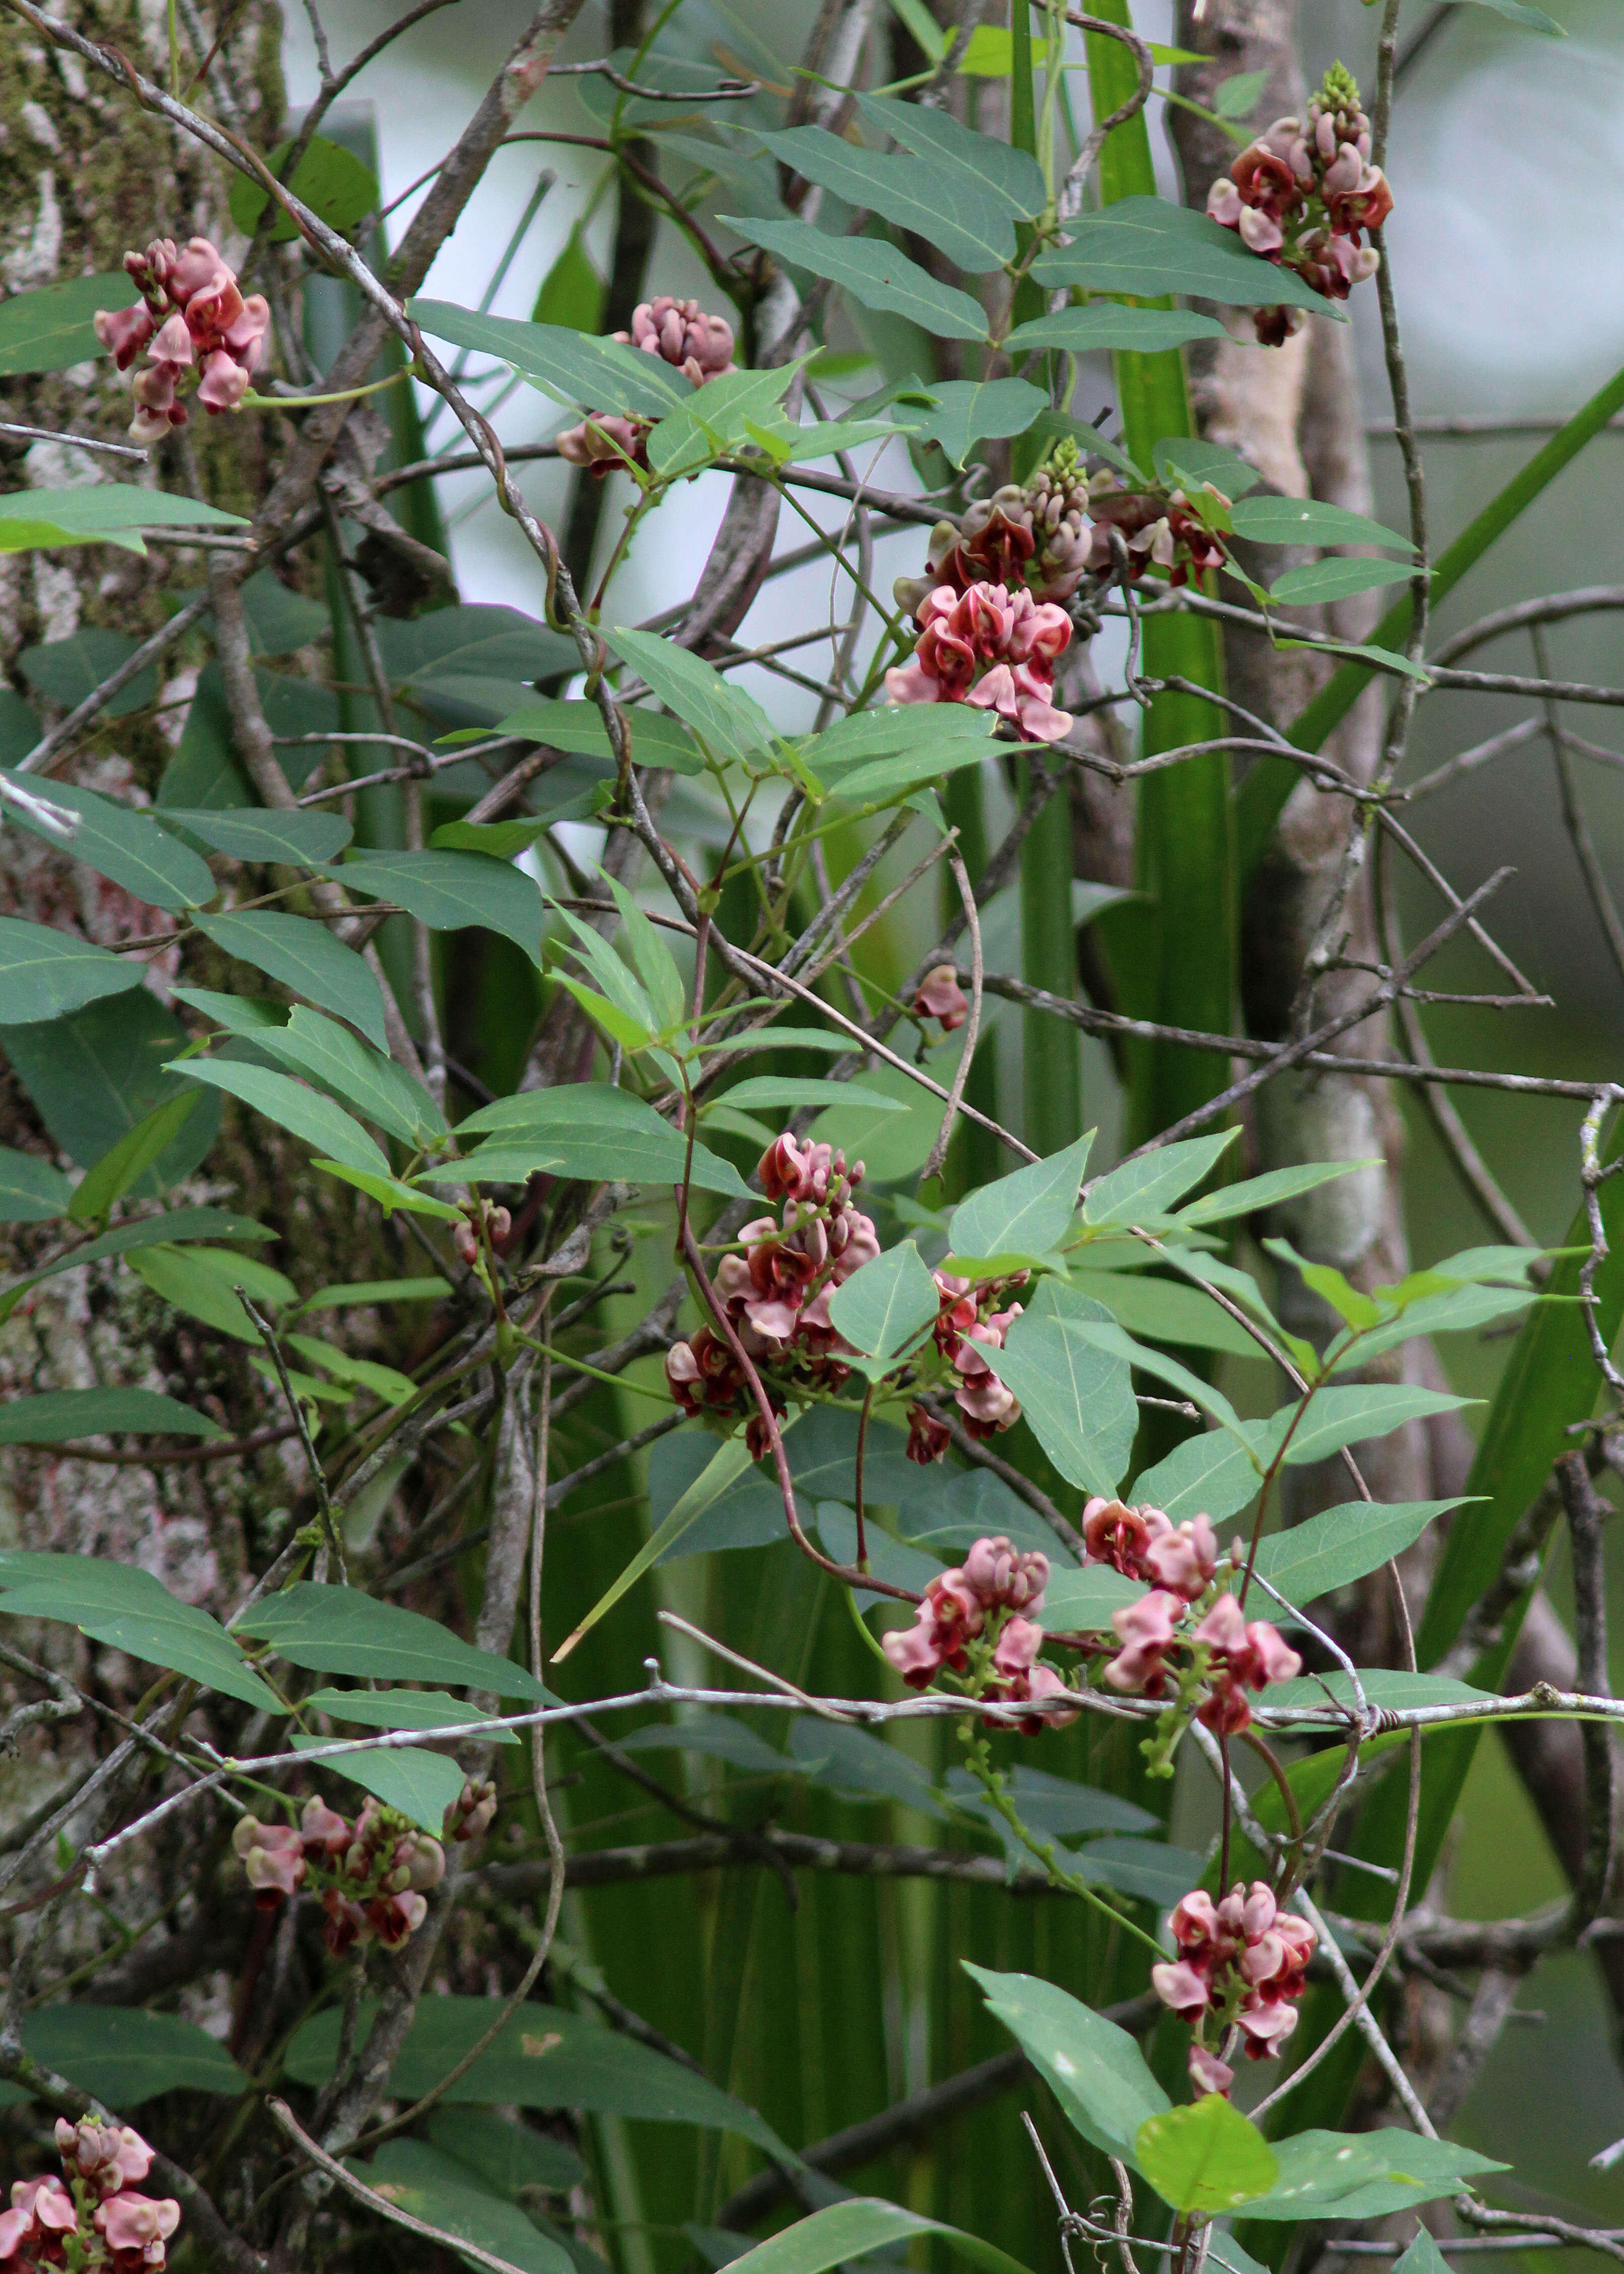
{"x": 993, "y": 649}
{"x": 192, "y": 317}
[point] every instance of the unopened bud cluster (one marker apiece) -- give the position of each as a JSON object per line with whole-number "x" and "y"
{"x": 680, "y": 333}
{"x": 497, "y": 1224}
{"x": 1034, "y": 534}
{"x": 1161, "y": 526}
{"x": 1211, "y": 1659}
{"x": 1242, "y": 1964}
{"x": 1302, "y": 194}
{"x": 992, "y": 647}
{"x": 94, "y": 2215}
{"x": 980, "y": 1622}
{"x": 190, "y": 317}
{"x": 777, "y": 1293}
{"x": 371, "y": 1875}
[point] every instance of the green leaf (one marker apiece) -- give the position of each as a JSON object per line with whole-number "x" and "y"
{"x": 129, "y": 1610}
{"x": 339, "y": 1630}
{"x": 421, "y": 1784}
{"x": 329, "y": 179}
{"x": 969, "y": 409}
{"x": 31, "y": 1191}
{"x": 202, "y": 1281}
{"x": 1147, "y": 246}
{"x": 58, "y": 1416}
{"x": 1460, "y": 1310}
{"x": 1166, "y": 1311}
{"x": 1077, "y": 1399}
{"x": 861, "y": 2231}
{"x": 1532, "y": 20}
{"x": 715, "y": 1736}
{"x": 1147, "y": 1186}
{"x": 1335, "y": 579}
{"x": 296, "y": 840}
{"x": 579, "y": 727}
{"x": 110, "y": 1177}
{"x": 1083, "y": 1602}
{"x": 1094, "y": 2069}
{"x": 544, "y": 2057}
{"x": 510, "y": 2158}
{"x": 97, "y": 1072}
{"x": 1364, "y": 2174}
{"x": 44, "y": 972}
{"x": 306, "y": 1112}
{"x": 1106, "y": 324}
{"x": 907, "y": 730}
{"x": 1254, "y": 1193}
{"x": 730, "y": 724}
{"x": 1213, "y": 1473}
{"x": 69, "y": 671}
{"x": 572, "y": 291}
{"x": 1382, "y": 1686}
{"x": 305, "y": 956}
{"x": 1342, "y": 1544}
{"x": 881, "y": 1307}
{"x": 1368, "y": 1409}
{"x": 951, "y": 209}
{"x": 1207, "y": 2157}
{"x": 126, "y": 846}
{"x": 882, "y": 780}
{"x": 450, "y": 892}
{"x": 402, "y": 1709}
{"x": 595, "y": 374}
{"x": 1304, "y": 521}
{"x": 109, "y": 513}
{"x": 991, "y": 167}
{"x": 152, "y": 1230}
{"x": 1186, "y": 459}
{"x": 651, "y": 958}
{"x": 787, "y": 1092}
{"x": 377, "y": 1290}
{"x": 448, "y": 2195}
{"x": 874, "y": 273}
{"x": 385, "y": 1381}
{"x": 717, "y": 417}
{"x": 125, "y": 2056}
{"x": 1351, "y": 1303}
{"x": 782, "y": 1038}
{"x": 598, "y": 1133}
{"x": 390, "y": 1194}
{"x": 380, "y": 1091}
{"x": 1236, "y": 97}
{"x": 51, "y": 327}
{"x": 1028, "y": 1213}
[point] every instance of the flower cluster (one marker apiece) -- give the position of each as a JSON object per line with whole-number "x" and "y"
{"x": 94, "y": 2216}
{"x": 192, "y": 315}
{"x": 777, "y": 1293}
{"x": 1221, "y": 1656}
{"x": 680, "y": 332}
{"x": 1034, "y": 533}
{"x": 372, "y": 1874}
{"x": 1302, "y": 195}
{"x": 939, "y": 996}
{"x": 1159, "y": 526}
{"x": 498, "y": 1224}
{"x": 992, "y": 648}
{"x": 968, "y": 1322}
{"x": 1241, "y": 1963}
{"x": 979, "y": 1620}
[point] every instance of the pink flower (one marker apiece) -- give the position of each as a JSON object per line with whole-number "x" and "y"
{"x": 1182, "y": 1989}
{"x": 603, "y": 441}
{"x": 472, "y": 1814}
{"x": 347, "y": 1924}
{"x": 225, "y": 381}
{"x": 16, "y": 2228}
{"x": 927, "y": 1438}
{"x": 1043, "y": 1685}
{"x": 47, "y": 2202}
{"x": 1011, "y": 638}
{"x": 273, "y": 1859}
{"x": 1243, "y": 1656}
{"x": 1184, "y": 1561}
{"x": 137, "y": 2227}
{"x": 680, "y": 331}
{"x": 987, "y": 1407}
{"x": 325, "y": 1833}
{"x": 1146, "y": 1630}
{"x": 1019, "y": 1644}
{"x": 124, "y": 332}
{"x": 1267, "y": 2028}
{"x": 395, "y": 1918}
{"x": 1122, "y": 1536}
{"x": 192, "y": 314}
{"x": 1002, "y": 1574}
{"x": 913, "y": 1653}
{"x": 1207, "y": 2072}
{"x": 939, "y": 996}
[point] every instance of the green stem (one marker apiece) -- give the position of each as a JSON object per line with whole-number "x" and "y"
{"x": 1052, "y": 1059}
{"x": 993, "y": 1785}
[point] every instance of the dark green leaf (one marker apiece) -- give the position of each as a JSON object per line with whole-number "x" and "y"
{"x": 1531, "y": 19}
{"x": 95, "y": 1074}
{"x": 713, "y": 1736}
{"x": 952, "y": 209}
{"x": 126, "y": 1607}
{"x": 1335, "y": 579}
{"x": 128, "y": 847}
{"x": 1147, "y": 1186}
{"x": 717, "y": 418}
{"x": 596, "y": 1133}
{"x": 202, "y": 1281}
{"x": 1367, "y": 1409}
{"x": 51, "y": 326}
{"x": 872, "y": 272}
{"x": 969, "y": 409}
{"x": 510, "y": 2158}
{"x": 1184, "y": 459}
{"x": 787, "y": 1093}
{"x": 421, "y": 1784}
{"x": 57, "y": 1417}
{"x": 545, "y": 2058}
{"x": 1382, "y": 1686}
{"x": 257, "y": 833}
{"x": 305, "y": 956}
{"x": 45, "y": 972}
{"x": 1107, "y": 324}
{"x": 339, "y": 1630}
{"x": 882, "y": 1308}
{"x": 1054, "y": 1806}
{"x": 31, "y": 1191}
{"x": 448, "y": 2195}
{"x": 66, "y": 671}
{"x": 125, "y": 2056}
{"x": 1147, "y": 246}
{"x": 572, "y": 291}
{"x": 1342, "y": 1544}
{"x": 401, "y": 1709}
{"x": 379, "y": 1090}
{"x": 951, "y": 1512}
{"x": 730, "y": 724}
{"x": 1211, "y": 1473}
{"x": 1364, "y": 2174}
{"x": 451, "y": 891}
{"x": 576, "y": 725}
{"x": 1083, "y": 1602}
{"x": 1094, "y": 2069}
{"x": 595, "y": 374}
{"x": 292, "y": 1105}
{"x": 1165, "y": 1311}
{"x": 983, "y": 161}
{"x": 1304, "y": 521}
{"x": 1205, "y": 2157}
{"x": 862, "y": 2231}
{"x": 329, "y": 179}
{"x": 860, "y": 1766}
{"x": 1077, "y": 1397}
